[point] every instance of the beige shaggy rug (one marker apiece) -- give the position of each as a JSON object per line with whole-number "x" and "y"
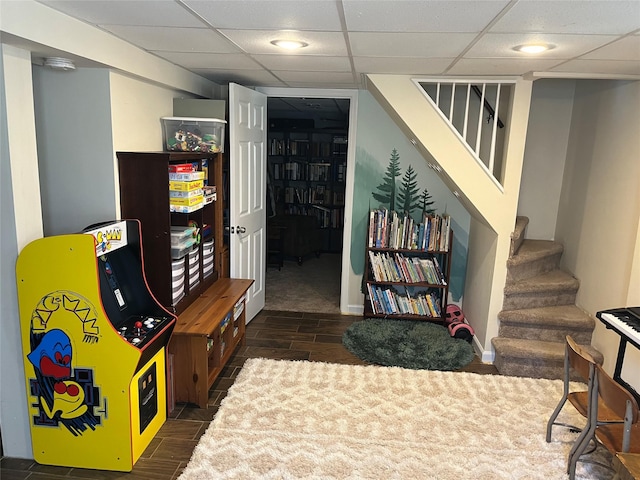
{"x": 305, "y": 420}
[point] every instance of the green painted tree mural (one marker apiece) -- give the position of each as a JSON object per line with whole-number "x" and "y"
{"x": 387, "y": 189}
{"x": 407, "y": 200}
{"x": 426, "y": 203}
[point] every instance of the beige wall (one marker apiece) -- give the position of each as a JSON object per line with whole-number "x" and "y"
{"x": 136, "y": 109}
{"x": 599, "y": 214}
{"x": 479, "y": 282}
{"x": 544, "y": 157}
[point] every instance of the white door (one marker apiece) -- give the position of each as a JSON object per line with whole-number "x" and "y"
{"x": 247, "y": 196}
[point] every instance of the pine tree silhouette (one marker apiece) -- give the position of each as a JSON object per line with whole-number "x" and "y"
{"x": 408, "y": 191}
{"x": 388, "y": 187}
{"x": 426, "y": 203}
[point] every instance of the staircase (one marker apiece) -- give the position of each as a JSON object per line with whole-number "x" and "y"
{"x": 539, "y": 311}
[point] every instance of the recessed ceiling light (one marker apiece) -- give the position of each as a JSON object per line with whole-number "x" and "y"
{"x": 533, "y": 48}
{"x": 289, "y": 44}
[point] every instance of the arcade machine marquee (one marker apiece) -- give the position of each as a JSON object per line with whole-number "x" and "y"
{"x": 94, "y": 342}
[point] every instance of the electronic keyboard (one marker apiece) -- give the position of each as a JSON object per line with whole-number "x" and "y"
{"x": 625, "y": 321}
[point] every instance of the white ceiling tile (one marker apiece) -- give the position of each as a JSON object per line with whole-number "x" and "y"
{"x": 322, "y": 77}
{"x": 411, "y": 37}
{"x": 269, "y": 15}
{"x": 499, "y": 66}
{"x": 402, "y": 65}
{"x": 170, "y": 39}
{"x": 603, "y": 67}
{"x": 128, "y": 12}
{"x": 409, "y": 44}
{"x": 420, "y": 15}
{"x": 566, "y": 46}
{"x": 258, "y": 42}
{"x": 318, "y": 84}
{"x": 242, "y": 77}
{"x": 571, "y": 16}
{"x": 627, "y": 48}
{"x": 219, "y": 61}
{"x": 304, "y": 62}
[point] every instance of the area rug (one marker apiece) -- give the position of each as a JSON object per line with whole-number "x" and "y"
{"x": 407, "y": 343}
{"x": 309, "y": 420}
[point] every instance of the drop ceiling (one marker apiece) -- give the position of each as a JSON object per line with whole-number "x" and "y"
{"x": 229, "y": 40}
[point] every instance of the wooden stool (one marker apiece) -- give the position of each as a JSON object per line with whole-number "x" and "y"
{"x": 627, "y": 466}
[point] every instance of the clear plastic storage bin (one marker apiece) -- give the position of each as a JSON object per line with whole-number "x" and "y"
{"x": 186, "y": 134}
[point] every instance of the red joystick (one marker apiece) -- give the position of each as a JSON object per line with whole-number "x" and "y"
{"x": 138, "y": 325}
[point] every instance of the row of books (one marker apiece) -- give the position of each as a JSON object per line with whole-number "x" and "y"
{"x": 395, "y": 267}
{"x": 388, "y": 229}
{"x": 388, "y": 301}
{"x": 279, "y": 146}
{"x": 327, "y": 217}
{"x": 313, "y": 172}
{"x": 317, "y": 195}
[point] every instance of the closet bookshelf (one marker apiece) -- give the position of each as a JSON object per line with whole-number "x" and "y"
{"x": 307, "y": 169}
{"x": 408, "y": 264}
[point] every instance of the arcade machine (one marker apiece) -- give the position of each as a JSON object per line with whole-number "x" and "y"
{"x": 94, "y": 341}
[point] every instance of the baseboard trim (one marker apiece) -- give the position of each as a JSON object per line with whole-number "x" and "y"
{"x": 486, "y": 356}
{"x": 353, "y": 310}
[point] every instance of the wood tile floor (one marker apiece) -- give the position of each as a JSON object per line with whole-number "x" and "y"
{"x": 272, "y": 334}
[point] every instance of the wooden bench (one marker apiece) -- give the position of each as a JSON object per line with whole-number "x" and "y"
{"x": 204, "y": 338}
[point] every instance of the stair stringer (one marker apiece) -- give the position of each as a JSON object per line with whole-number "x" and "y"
{"x": 493, "y": 206}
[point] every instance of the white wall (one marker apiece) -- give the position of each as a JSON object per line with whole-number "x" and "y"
{"x": 73, "y": 125}
{"x": 599, "y": 214}
{"x": 21, "y": 223}
{"x": 545, "y": 153}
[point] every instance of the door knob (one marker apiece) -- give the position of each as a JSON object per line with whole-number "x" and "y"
{"x": 240, "y": 229}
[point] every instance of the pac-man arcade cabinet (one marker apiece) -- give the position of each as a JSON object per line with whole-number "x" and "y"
{"x": 94, "y": 341}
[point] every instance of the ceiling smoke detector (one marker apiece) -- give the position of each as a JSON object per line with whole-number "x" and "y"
{"x": 59, "y": 63}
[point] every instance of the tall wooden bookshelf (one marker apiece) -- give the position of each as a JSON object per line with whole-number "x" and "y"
{"x": 408, "y": 266}
{"x": 307, "y": 170}
{"x": 211, "y": 315}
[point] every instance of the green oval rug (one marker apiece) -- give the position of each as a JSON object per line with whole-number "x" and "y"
{"x": 407, "y": 343}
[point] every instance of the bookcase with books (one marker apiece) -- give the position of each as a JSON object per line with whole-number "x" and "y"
{"x": 307, "y": 171}
{"x": 181, "y": 217}
{"x": 408, "y": 264}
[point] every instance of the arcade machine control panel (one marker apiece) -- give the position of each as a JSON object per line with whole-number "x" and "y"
{"x": 139, "y": 329}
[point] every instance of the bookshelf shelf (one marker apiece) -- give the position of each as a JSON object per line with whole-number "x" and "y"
{"x": 307, "y": 170}
{"x": 408, "y": 266}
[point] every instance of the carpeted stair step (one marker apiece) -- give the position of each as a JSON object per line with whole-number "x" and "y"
{"x": 517, "y": 237}
{"x": 534, "y": 258}
{"x": 545, "y": 290}
{"x": 533, "y": 358}
{"x": 549, "y": 324}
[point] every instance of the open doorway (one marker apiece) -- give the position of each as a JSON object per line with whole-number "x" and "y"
{"x": 306, "y": 187}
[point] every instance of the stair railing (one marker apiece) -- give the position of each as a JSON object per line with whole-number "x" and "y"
{"x": 476, "y": 118}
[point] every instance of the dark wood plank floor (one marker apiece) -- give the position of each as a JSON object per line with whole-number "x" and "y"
{"x": 278, "y": 335}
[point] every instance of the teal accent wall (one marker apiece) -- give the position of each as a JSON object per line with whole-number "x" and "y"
{"x": 376, "y": 138}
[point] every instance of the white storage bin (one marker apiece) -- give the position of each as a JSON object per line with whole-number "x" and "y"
{"x": 208, "y": 270}
{"x": 194, "y": 279}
